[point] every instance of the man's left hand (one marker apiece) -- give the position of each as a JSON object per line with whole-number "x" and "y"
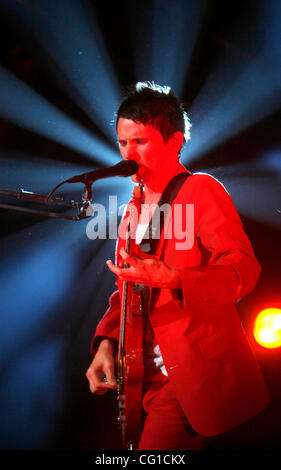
{"x": 149, "y": 272}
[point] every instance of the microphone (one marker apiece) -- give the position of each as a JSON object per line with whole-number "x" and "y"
{"x": 123, "y": 168}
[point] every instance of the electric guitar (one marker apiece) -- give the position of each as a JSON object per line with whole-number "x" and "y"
{"x": 130, "y": 349}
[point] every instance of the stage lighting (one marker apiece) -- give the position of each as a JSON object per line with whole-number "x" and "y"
{"x": 163, "y": 48}
{"x": 24, "y": 107}
{"x": 267, "y": 328}
{"x": 69, "y": 32}
{"x": 238, "y": 94}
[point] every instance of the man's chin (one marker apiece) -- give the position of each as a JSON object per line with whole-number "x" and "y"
{"x": 138, "y": 177}
{"x": 135, "y": 179}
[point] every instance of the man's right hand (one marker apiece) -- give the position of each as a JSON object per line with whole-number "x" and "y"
{"x": 101, "y": 371}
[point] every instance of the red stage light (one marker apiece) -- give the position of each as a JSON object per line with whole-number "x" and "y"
{"x": 267, "y": 328}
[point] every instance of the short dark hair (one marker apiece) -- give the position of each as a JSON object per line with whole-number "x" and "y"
{"x": 155, "y": 105}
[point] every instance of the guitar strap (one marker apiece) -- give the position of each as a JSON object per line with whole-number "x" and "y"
{"x": 150, "y": 240}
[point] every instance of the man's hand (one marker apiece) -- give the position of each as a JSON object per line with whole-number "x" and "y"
{"x": 101, "y": 371}
{"x": 149, "y": 272}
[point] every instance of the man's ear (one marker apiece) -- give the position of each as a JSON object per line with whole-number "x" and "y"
{"x": 176, "y": 141}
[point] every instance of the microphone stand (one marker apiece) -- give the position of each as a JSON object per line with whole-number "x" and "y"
{"x": 123, "y": 168}
{"x": 83, "y": 209}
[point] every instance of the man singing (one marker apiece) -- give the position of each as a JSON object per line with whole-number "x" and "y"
{"x": 200, "y": 376}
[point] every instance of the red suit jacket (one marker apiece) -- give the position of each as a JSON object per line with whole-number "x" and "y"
{"x": 209, "y": 362}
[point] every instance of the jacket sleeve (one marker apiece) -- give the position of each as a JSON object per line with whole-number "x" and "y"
{"x": 232, "y": 270}
{"x": 109, "y": 325}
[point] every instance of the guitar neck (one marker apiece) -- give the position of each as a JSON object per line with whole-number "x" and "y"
{"x": 121, "y": 345}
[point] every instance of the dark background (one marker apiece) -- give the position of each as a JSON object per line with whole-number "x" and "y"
{"x": 54, "y": 282}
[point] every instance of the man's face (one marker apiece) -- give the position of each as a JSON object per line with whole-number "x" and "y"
{"x": 146, "y": 146}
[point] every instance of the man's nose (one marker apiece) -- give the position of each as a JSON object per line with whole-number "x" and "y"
{"x": 130, "y": 152}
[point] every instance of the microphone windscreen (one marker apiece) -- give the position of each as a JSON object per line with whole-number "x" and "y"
{"x": 128, "y": 167}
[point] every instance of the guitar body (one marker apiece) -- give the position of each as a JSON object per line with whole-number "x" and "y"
{"x": 131, "y": 398}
